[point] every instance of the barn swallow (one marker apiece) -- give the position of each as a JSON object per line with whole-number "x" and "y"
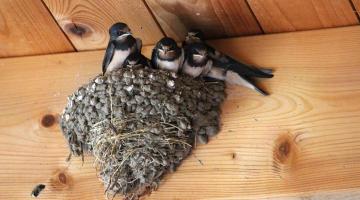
{"x": 167, "y": 55}
{"x": 231, "y": 63}
{"x": 198, "y": 63}
{"x": 120, "y": 46}
{"x": 137, "y": 60}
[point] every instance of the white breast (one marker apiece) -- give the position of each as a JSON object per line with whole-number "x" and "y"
{"x": 118, "y": 59}
{"x": 171, "y": 65}
{"x": 192, "y": 71}
{"x": 234, "y": 78}
{"x": 197, "y": 71}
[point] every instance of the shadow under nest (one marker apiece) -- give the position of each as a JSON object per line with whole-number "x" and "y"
{"x": 140, "y": 124}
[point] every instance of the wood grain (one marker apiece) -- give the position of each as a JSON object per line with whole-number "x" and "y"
{"x": 27, "y": 28}
{"x": 356, "y": 4}
{"x": 301, "y": 142}
{"x": 216, "y": 18}
{"x": 86, "y": 23}
{"x": 283, "y": 15}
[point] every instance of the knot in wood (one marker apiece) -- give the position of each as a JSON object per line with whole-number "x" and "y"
{"x": 80, "y": 30}
{"x": 284, "y": 149}
{"x": 62, "y": 178}
{"x": 48, "y": 120}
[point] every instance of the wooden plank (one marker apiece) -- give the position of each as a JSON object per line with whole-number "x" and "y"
{"x": 356, "y": 4}
{"x": 216, "y": 18}
{"x": 301, "y": 142}
{"x": 27, "y": 28}
{"x": 86, "y": 23}
{"x": 283, "y": 15}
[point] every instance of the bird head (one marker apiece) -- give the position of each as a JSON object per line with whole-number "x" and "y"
{"x": 194, "y": 35}
{"x": 132, "y": 60}
{"x": 167, "y": 48}
{"x": 198, "y": 52}
{"x": 119, "y": 30}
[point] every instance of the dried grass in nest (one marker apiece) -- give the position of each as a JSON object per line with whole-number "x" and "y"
{"x": 132, "y": 159}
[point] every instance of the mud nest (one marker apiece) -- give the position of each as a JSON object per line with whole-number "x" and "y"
{"x": 140, "y": 124}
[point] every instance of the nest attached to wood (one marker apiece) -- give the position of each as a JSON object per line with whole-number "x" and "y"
{"x": 140, "y": 124}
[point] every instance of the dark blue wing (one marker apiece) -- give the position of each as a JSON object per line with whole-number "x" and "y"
{"x": 236, "y": 66}
{"x": 153, "y": 59}
{"x": 108, "y": 56}
{"x": 145, "y": 61}
{"x": 138, "y": 44}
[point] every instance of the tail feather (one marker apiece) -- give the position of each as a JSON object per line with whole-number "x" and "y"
{"x": 267, "y": 70}
{"x": 261, "y": 91}
{"x": 246, "y": 70}
{"x": 234, "y": 78}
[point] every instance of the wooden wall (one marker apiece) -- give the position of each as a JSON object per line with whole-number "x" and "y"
{"x": 52, "y": 26}
{"x": 301, "y": 142}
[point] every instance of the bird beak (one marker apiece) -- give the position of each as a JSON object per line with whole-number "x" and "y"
{"x": 198, "y": 56}
{"x": 126, "y": 34}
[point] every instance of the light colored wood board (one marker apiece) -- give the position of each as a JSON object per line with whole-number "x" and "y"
{"x": 329, "y": 195}
{"x": 27, "y": 28}
{"x": 216, "y": 18}
{"x": 298, "y": 143}
{"x": 283, "y": 15}
{"x": 86, "y": 23}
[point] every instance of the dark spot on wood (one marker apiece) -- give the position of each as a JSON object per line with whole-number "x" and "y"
{"x": 80, "y": 30}
{"x": 62, "y": 178}
{"x": 285, "y": 152}
{"x": 284, "y": 149}
{"x": 230, "y": 131}
{"x": 48, "y": 120}
{"x": 233, "y": 156}
{"x": 200, "y": 162}
{"x": 37, "y": 190}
